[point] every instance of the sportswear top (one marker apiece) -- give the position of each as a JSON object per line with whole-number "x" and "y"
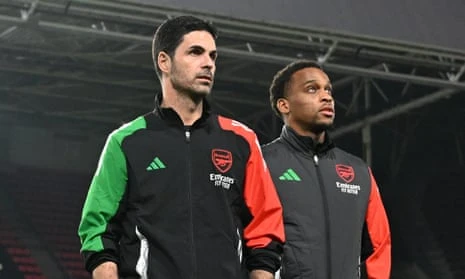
{"x": 169, "y": 201}
{"x": 332, "y": 210}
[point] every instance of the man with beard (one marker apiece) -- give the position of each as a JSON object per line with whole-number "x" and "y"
{"x": 331, "y": 204}
{"x": 181, "y": 192}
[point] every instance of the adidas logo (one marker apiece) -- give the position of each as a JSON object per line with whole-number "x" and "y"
{"x": 156, "y": 164}
{"x": 290, "y": 175}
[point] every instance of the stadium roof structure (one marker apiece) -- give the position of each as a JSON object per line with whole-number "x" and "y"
{"x": 90, "y": 62}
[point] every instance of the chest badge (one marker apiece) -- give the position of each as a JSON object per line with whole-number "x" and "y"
{"x": 345, "y": 172}
{"x": 222, "y": 159}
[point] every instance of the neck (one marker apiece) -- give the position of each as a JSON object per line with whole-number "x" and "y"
{"x": 188, "y": 109}
{"x": 318, "y": 137}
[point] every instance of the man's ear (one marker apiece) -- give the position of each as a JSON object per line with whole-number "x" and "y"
{"x": 164, "y": 62}
{"x": 282, "y": 105}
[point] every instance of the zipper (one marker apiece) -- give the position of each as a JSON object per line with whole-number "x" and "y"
{"x": 325, "y": 213}
{"x": 187, "y": 134}
{"x": 239, "y": 245}
{"x": 142, "y": 262}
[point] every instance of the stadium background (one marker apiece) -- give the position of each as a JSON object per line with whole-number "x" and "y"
{"x": 72, "y": 71}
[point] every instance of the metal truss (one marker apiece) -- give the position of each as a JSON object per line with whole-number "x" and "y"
{"x": 86, "y": 64}
{"x": 100, "y": 51}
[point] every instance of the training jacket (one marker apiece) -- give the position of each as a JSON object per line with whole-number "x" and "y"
{"x": 169, "y": 201}
{"x": 331, "y": 206}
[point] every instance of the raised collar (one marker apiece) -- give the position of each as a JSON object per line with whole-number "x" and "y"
{"x": 304, "y": 143}
{"x": 170, "y": 116}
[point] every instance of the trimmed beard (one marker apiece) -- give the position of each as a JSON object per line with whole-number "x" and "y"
{"x": 318, "y": 128}
{"x": 196, "y": 96}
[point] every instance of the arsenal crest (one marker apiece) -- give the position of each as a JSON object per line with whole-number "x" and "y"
{"x": 345, "y": 172}
{"x": 222, "y": 159}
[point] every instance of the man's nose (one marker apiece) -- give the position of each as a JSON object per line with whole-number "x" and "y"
{"x": 208, "y": 62}
{"x": 327, "y": 97}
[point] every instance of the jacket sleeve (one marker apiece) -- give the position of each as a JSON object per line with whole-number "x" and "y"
{"x": 98, "y": 229}
{"x": 378, "y": 264}
{"x": 264, "y": 235}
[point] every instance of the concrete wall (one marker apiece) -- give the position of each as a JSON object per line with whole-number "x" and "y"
{"x": 47, "y": 149}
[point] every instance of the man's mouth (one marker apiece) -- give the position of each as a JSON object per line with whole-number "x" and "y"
{"x": 327, "y": 111}
{"x": 205, "y": 77}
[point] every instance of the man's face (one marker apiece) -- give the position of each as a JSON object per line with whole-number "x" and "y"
{"x": 193, "y": 64}
{"x": 308, "y": 100}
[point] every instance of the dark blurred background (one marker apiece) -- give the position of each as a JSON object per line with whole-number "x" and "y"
{"x": 73, "y": 71}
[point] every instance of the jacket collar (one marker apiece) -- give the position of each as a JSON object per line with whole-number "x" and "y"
{"x": 304, "y": 143}
{"x": 171, "y": 117}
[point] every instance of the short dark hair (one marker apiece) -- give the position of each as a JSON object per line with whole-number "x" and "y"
{"x": 283, "y": 76}
{"x": 169, "y": 35}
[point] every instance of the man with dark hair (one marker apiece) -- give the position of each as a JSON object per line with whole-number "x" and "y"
{"x": 169, "y": 36}
{"x": 331, "y": 204}
{"x": 181, "y": 192}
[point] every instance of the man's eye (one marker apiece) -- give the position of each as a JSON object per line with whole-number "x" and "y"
{"x": 311, "y": 89}
{"x": 196, "y": 51}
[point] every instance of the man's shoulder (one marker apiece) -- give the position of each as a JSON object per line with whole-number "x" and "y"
{"x": 273, "y": 147}
{"x": 350, "y": 157}
{"x": 230, "y": 124}
{"x": 128, "y": 128}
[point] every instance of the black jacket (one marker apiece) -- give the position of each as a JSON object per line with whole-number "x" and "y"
{"x": 169, "y": 201}
{"x": 330, "y": 199}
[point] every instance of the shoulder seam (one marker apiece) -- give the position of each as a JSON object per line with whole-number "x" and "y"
{"x": 128, "y": 129}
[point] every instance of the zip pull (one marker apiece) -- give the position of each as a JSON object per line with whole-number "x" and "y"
{"x": 315, "y": 159}
{"x": 188, "y": 135}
